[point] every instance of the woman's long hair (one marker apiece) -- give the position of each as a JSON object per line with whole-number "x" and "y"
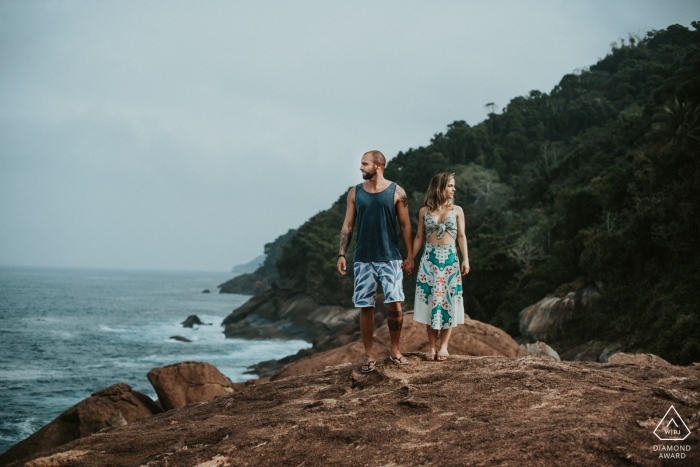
{"x": 435, "y": 196}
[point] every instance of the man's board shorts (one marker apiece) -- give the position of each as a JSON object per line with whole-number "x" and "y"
{"x": 389, "y": 273}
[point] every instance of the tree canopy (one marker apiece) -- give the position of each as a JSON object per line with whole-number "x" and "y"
{"x": 599, "y": 180}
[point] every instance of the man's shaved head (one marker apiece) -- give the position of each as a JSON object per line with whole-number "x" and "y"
{"x": 377, "y": 157}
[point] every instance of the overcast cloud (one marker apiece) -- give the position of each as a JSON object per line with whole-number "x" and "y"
{"x": 186, "y": 135}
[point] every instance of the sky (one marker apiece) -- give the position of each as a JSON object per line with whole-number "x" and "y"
{"x": 184, "y": 135}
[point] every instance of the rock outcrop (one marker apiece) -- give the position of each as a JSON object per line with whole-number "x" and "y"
{"x": 180, "y": 338}
{"x": 465, "y": 411}
{"x": 112, "y": 407}
{"x": 472, "y": 338}
{"x": 192, "y": 320}
{"x": 347, "y": 334}
{"x": 544, "y": 320}
{"x": 273, "y": 314}
{"x": 186, "y": 383}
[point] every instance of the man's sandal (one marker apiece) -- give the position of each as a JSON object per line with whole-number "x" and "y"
{"x": 441, "y": 357}
{"x": 367, "y": 365}
{"x": 430, "y": 356}
{"x": 402, "y": 360}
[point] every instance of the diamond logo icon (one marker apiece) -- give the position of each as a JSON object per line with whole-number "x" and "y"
{"x": 672, "y": 427}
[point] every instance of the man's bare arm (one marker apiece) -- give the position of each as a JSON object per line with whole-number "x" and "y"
{"x": 401, "y": 204}
{"x": 401, "y": 196}
{"x": 346, "y": 231}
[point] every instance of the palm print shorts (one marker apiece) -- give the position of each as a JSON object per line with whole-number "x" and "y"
{"x": 389, "y": 273}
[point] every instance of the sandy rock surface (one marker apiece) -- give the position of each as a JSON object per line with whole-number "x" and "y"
{"x": 637, "y": 359}
{"x": 466, "y": 411}
{"x": 188, "y": 382}
{"x": 472, "y": 338}
{"x": 114, "y": 406}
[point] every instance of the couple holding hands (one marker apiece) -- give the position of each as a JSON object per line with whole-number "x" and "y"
{"x": 373, "y": 208}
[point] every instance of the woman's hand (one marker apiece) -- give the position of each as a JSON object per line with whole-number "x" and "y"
{"x": 464, "y": 268}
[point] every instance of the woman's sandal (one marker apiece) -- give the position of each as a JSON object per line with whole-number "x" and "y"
{"x": 430, "y": 356}
{"x": 441, "y": 357}
{"x": 402, "y": 360}
{"x": 367, "y": 365}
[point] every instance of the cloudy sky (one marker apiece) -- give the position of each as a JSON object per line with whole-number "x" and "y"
{"x": 186, "y": 135}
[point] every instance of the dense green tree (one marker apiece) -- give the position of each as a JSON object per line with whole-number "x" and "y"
{"x": 598, "y": 180}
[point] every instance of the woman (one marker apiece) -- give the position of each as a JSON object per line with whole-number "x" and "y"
{"x": 438, "y": 303}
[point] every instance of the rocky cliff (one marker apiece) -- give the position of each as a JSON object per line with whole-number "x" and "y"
{"x": 465, "y": 411}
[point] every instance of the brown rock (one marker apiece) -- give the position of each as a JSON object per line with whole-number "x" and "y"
{"x": 465, "y": 411}
{"x": 637, "y": 359}
{"x": 472, "y": 338}
{"x": 185, "y": 383}
{"x": 111, "y": 407}
{"x": 541, "y": 350}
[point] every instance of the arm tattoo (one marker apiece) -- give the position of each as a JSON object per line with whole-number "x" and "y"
{"x": 402, "y": 196}
{"x": 345, "y": 237}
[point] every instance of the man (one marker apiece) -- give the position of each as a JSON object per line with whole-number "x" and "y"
{"x": 375, "y": 204}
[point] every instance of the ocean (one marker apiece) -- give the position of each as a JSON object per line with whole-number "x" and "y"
{"x": 66, "y": 333}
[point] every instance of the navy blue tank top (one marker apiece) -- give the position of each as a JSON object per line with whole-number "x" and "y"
{"x": 376, "y": 226}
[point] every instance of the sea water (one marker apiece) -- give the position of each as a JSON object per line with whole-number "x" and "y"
{"x": 66, "y": 333}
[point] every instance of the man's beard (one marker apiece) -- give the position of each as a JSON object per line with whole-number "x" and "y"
{"x": 368, "y": 175}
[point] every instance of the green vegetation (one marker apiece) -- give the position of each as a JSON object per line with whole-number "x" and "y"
{"x": 598, "y": 180}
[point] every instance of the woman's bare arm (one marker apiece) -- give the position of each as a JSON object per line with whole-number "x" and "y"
{"x": 462, "y": 240}
{"x": 420, "y": 233}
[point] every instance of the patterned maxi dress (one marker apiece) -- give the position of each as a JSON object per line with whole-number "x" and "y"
{"x": 439, "y": 301}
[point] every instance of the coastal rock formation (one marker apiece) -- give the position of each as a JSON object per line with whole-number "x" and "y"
{"x": 185, "y": 383}
{"x": 541, "y": 350}
{"x": 637, "y": 359}
{"x": 180, "y": 338}
{"x": 343, "y": 336}
{"x": 192, "y": 320}
{"x": 472, "y": 338}
{"x": 112, "y": 407}
{"x": 545, "y": 319}
{"x": 275, "y": 314}
{"x": 465, "y": 411}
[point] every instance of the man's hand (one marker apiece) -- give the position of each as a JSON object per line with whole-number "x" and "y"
{"x": 464, "y": 269}
{"x": 408, "y": 266}
{"x": 341, "y": 265}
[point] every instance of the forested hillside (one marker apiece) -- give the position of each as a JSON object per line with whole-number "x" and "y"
{"x": 599, "y": 180}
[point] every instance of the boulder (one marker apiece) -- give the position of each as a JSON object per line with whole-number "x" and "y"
{"x": 541, "y": 350}
{"x": 544, "y": 320}
{"x": 192, "y": 320}
{"x": 206, "y": 291}
{"x": 185, "y": 383}
{"x": 111, "y": 407}
{"x": 637, "y": 359}
{"x": 472, "y": 338}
